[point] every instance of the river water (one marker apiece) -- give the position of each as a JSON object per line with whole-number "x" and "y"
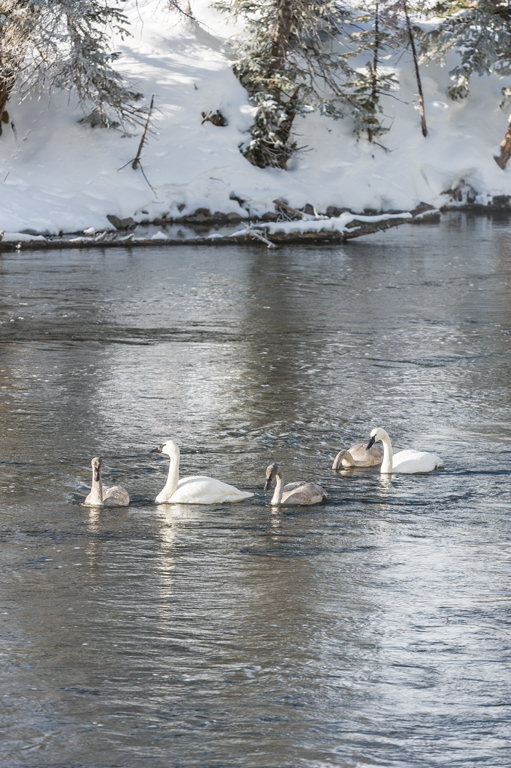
{"x": 372, "y": 630}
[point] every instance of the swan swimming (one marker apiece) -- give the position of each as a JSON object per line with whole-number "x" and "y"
{"x": 116, "y": 496}
{"x": 405, "y": 462}
{"x": 196, "y": 489}
{"x": 299, "y": 493}
{"x": 359, "y": 456}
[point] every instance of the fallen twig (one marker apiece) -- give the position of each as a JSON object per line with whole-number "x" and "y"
{"x": 287, "y": 208}
{"x": 263, "y": 239}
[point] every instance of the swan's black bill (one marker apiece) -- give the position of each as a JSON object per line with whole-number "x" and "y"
{"x": 370, "y": 443}
{"x": 157, "y": 450}
{"x": 97, "y": 475}
{"x": 267, "y": 484}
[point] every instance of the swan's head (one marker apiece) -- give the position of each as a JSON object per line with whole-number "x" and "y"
{"x": 377, "y": 434}
{"x": 271, "y": 472}
{"x": 96, "y": 465}
{"x": 169, "y": 448}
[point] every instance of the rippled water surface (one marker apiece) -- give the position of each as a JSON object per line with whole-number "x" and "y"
{"x": 370, "y": 631}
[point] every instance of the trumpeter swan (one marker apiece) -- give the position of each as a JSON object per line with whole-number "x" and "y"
{"x": 116, "y": 496}
{"x": 196, "y": 489}
{"x": 404, "y": 462}
{"x": 359, "y": 456}
{"x": 299, "y": 493}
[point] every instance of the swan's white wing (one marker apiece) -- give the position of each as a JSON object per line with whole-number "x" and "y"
{"x": 206, "y": 490}
{"x": 413, "y": 462}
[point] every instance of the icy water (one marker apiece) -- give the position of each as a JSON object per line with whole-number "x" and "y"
{"x": 373, "y": 630}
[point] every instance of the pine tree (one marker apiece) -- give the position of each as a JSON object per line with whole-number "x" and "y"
{"x": 481, "y": 34}
{"x": 66, "y": 44}
{"x": 16, "y": 22}
{"x": 377, "y": 35}
{"x": 389, "y": 27}
{"x": 291, "y": 62}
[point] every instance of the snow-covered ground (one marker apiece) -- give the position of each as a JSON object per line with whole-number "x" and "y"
{"x": 59, "y": 176}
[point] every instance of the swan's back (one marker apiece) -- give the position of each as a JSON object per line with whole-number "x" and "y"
{"x": 414, "y": 462}
{"x": 116, "y": 496}
{"x": 368, "y": 457}
{"x": 292, "y": 486}
{"x": 359, "y": 456}
{"x": 303, "y": 494}
{"x": 200, "y": 489}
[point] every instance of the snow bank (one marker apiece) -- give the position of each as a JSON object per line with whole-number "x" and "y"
{"x": 337, "y": 224}
{"x": 20, "y": 237}
{"x": 59, "y": 176}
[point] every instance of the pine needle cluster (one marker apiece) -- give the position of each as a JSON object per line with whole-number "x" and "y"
{"x": 66, "y": 44}
{"x": 480, "y": 32}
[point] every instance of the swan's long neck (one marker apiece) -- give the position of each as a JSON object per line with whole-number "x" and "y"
{"x": 277, "y": 496}
{"x": 386, "y": 465}
{"x": 173, "y": 477}
{"x": 96, "y": 491}
{"x": 338, "y": 459}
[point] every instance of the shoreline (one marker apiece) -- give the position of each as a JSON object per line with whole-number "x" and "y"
{"x": 289, "y": 226}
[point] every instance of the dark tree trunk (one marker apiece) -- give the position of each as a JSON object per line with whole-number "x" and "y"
{"x": 417, "y": 73}
{"x": 280, "y": 42}
{"x": 376, "y": 51}
{"x": 5, "y": 92}
{"x": 6, "y": 86}
{"x": 269, "y": 152}
{"x": 505, "y": 149}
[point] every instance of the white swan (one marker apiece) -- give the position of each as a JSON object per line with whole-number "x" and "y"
{"x": 359, "y": 456}
{"x": 299, "y": 493}
{"x": 193, "y": 490}
{"x": 116, "y": 496}
{"x": 405, "y": 462}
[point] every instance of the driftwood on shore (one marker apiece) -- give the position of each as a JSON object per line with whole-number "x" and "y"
{"x": 310, "y": 229}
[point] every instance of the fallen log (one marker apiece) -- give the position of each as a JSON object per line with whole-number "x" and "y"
{"x": 321, "y": 231}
